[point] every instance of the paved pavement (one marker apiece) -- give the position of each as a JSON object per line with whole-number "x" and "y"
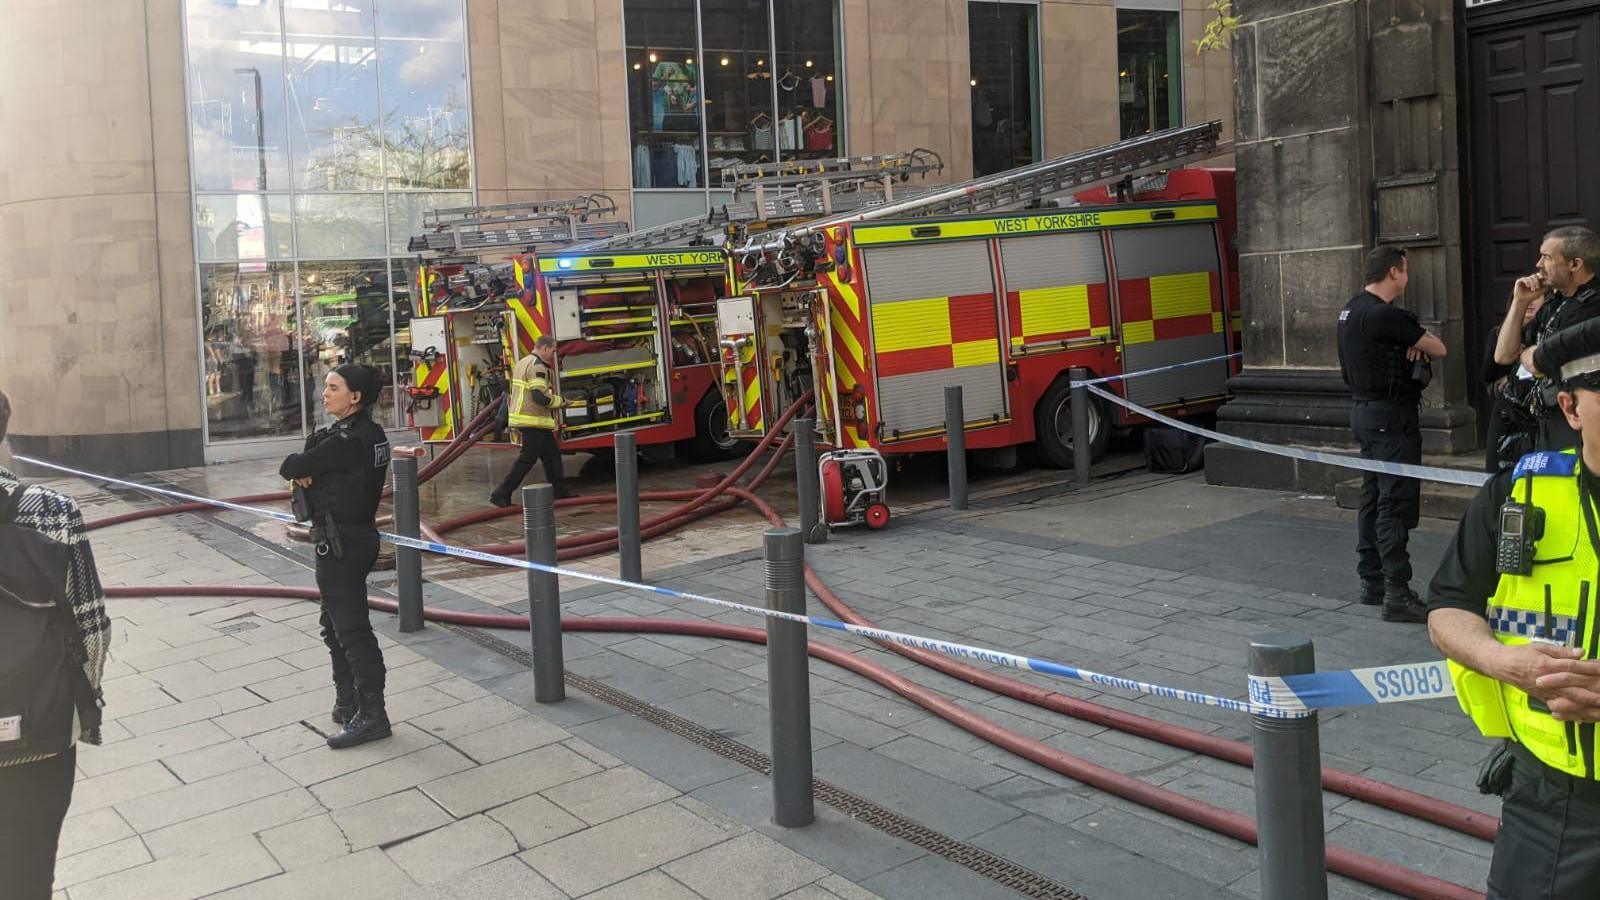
{"x": 214, "y": 749}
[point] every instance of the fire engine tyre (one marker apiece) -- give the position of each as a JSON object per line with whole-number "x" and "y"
{"x": 711, "y": 441}
{"x": 877, "y": 516}
{"x": 1053, "y": 425}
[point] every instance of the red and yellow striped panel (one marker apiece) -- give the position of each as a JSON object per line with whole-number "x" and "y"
{"x": 849, "y": 357}
{"x": 1046, "y": 315}
{"x": 913, "y": 336}
{"x": 1170, "y": 306}
{"x": 741, "y": 389}
{"x": 438, "y": 376}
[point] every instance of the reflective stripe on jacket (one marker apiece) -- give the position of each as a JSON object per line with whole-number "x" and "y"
{"x": 1555, "y": 604}
{"x": 532, "y": 374}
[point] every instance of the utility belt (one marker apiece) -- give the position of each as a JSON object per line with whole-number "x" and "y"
{"x": 1573, "y": 785}
{"x": 325, "y": 536}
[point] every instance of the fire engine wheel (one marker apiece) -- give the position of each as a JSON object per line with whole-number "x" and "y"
{"x": 877, "y": 516}
{"x": 1053, "y": 422}
{"x": 711, "y": 441}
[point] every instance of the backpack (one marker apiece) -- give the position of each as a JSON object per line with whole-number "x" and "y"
{"x": 42, "y": 682}
{"x": 1173, "y": 450}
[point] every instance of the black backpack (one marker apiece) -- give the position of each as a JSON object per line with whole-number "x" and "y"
{"x": 41, "y": 648}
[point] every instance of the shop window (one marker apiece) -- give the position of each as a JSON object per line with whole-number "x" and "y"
{"x": 738, "y": 100}
{"x": 335, "y": 136}
{"x": 232, "y": 227}
{"x": 249, "y": 327}
{"x": 1149, "y": 87}
{"x": 236, "y": 98}
{"x": 422, "y": 66}
{"x": 345, "y": 307}
{"x": 1005, "y": 81}
{"x": 806, "y": 72}
{"x": 333, "y": 226}
{"x": 664, "y": 93}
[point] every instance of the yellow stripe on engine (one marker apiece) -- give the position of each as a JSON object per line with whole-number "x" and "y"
{"x": 846, "y": 293}
{"x": 1138, "y": 332}
{"x": 911, "y": 324}
{"x": 1172, "y": 296}
{"x": 1216, "y": 323}
{"x": 975, "y": 353}
{"x": 1054, "y": 310}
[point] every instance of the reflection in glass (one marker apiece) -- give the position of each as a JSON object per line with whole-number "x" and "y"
{"x": 1005, "y": 73}
{"x": 422, "y": 61}
{"x": 402, "y": 281}
{"x": 738, "y": 105}
{"x": 1148, "y": 88}
{"x": 231, "y": 227}
{"x": 346, "y": 310}
{"x": 663, "y": 93}
{"x": 333, "y": 95}
{"x": 406, "y": 209}
{"x": 329, "y": 226}
{"x": 252, "y": 381}
{"x": 236, "y": 111}
{"x": 805, "y": 68}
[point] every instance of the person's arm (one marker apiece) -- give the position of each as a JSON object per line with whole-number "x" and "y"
{"x": 1430, "y": 346}
{"x": 1465, "y": 637}
{"x": 1527, "y": 290}
{"x": 1397, "y": 326}
{"x": 335, "y": 453}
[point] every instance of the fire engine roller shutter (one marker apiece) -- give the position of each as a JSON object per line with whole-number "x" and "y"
{"x": 1056, "y": 288}
{"x": 1170, "y": 297}
{"x": 934, "y": 323}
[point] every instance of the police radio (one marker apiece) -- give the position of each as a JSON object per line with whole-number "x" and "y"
{"x": 1521, "y": 524}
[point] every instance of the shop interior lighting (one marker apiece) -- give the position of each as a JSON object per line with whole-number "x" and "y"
{"x": 652, "y": 57}
{"x": 725, "y": 60}
{"x": 808, "y": 63}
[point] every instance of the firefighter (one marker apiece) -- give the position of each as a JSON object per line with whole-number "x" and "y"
{"x": 1512, "y": 606}
{"x": 531, "y": 410}
{"x": 342, "y": 471}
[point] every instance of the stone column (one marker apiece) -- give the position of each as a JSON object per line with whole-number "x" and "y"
{"x": 1346, "y": 138}
{"x": 98, "y": 344}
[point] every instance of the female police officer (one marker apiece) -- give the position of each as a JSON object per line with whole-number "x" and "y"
{"x": 342, "y": 469}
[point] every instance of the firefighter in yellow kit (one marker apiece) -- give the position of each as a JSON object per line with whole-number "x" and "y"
{"x": 531, "y": 409}
{"x": 1514, "y": 606}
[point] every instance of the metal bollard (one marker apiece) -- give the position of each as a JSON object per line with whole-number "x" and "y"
{"x": 544, "y": 593}
{"x": 805, "y": 476}
{"x": 955, "y": 441}
{"x": 788, "y": 680}
{"x": 630, "y": 563}
{"x": 1080, "y": 427}
{"x": 407, "y": 523}
{"x": 1288, "y": 777}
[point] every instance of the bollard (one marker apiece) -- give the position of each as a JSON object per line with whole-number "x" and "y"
{"x": 407, "y": 523}
{"x": 629, "y": 562}
{"x": 1080, "y": 427}
{"x": 805, "y": 476}
{"x": 955, "y": 444}
{"x": 788, "y": 680}
{"x": 544, "y": 593}
{"x": 1288, "y": 778}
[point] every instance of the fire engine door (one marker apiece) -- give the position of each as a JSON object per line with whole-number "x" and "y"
{"x": 430, "y": 393}
{"x": 1169, "y": 292}
{"x": 935, "y": 323}
{"x": 738, "y": 333}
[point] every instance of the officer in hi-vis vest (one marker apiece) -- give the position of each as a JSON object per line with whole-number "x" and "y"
{"x": 1515, "y": 605}
{"x": 532, "y": 411}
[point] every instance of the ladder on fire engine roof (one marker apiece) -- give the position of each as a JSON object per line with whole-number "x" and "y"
{"x": 1169, "y": 149}
{"x": 467, "y": 230}
{"x": 784, "y": 192}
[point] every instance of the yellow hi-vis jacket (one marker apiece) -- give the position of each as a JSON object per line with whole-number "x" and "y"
{"x": 532, "y": 374}
{"x": 1556, "y": 603}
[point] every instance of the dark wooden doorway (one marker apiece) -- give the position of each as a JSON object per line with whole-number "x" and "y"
{"x": 1534, "y": 99}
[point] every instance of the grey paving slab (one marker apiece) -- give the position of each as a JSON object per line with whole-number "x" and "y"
{"x": 366, "y": 874}
{"x": 390, "y": 777}
{"x": 191, "y": 801}
{"x": 228, "y": 864}
{"x": 935, "y": 878}
{"x": 439, "y": 856}
{"x": 305, "y": 842}
{"x": 652, "y": 885}
{"x": 486, "y": 786}
{"x": 389, "y": 819}
{"x": 509, "y": 738}
{"x": 534, "y": 820}
{"x": 609, "y": 794}
{"x": 626, "y": 846}
{"x": 667, "y": 757}
{"x": 1091, "y": 865}
{"x": 96, "y": 862}
{"x": 91, "y": 830}
{"x": 499, "y": 880}
{"x": 911, "y": 791}
{"x": 192, "y": 836}
{"x": 748, "y": 867}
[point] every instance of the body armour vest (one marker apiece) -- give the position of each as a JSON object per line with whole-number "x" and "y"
{"x": 1554, "y": 604}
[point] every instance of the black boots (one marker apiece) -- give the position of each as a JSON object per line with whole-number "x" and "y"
{"x": 1401, "y": 604}
{"x": 344, "y": 702}
{"x": 370, "y": 722}
{"x": 1371, "y": 593}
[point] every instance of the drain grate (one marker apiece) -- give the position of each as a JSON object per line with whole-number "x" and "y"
{"x": 1003, "y": 871}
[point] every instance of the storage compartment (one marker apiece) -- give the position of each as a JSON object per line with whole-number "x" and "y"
{"x": 612, "y": 366}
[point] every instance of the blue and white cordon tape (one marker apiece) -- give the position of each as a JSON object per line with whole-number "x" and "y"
{"x": 1354, "y": 687}
{"x": 1107, "y": 379}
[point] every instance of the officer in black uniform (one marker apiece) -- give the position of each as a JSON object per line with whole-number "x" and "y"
{"x": 1561, "y": 293}
{"x": 1383, "y": 351}
{"x": 342, "y": 473}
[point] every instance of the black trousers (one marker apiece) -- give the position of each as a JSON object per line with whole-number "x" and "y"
{"x": 346, "y": 627}
{"x": 538, "y": 445}
{"x": 34, "y": 798}
{"x": 1386, "y": 430}
{"x": 1548, "y": 847}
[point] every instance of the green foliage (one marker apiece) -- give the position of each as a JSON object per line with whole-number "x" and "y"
{"x": 1219, "y": 31}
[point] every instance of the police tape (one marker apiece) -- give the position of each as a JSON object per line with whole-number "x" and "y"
{"x": 937, "y": 645}
{"x": 1107, "y": 379}
{"x": 1425, "y": 473}
{"x": 1354, "y": 687}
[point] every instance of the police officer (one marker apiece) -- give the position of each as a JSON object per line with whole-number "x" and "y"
{"x": 531, "y": 410}
{"x": 1561, "y": 293}
{"x": 342, "y": 470}
{"x": 1515, "y": 605}
{"x": 1382, "y": 350}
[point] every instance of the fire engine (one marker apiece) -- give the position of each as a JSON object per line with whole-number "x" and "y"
{"x": 879, "y": 309}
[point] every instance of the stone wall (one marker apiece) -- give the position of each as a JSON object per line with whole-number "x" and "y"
{"x": 98, "y": 344}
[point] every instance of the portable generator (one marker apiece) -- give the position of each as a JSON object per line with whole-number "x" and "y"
{"x": 854, "y": 485}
